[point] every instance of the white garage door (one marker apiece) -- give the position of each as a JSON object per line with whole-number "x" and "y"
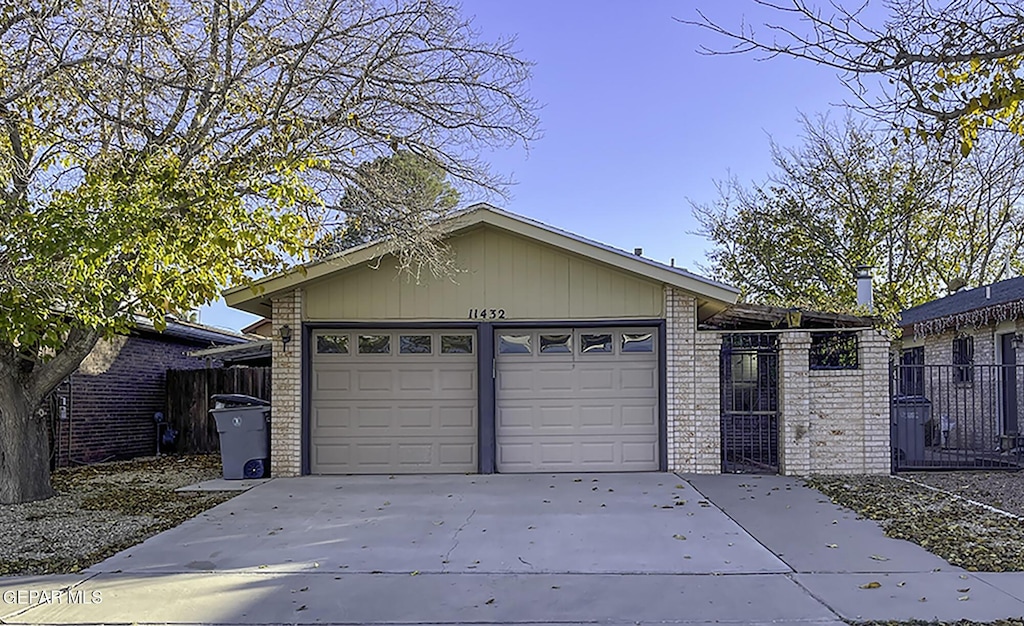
{"x": 577, "y": 400}
{"x": 390, "y": 401}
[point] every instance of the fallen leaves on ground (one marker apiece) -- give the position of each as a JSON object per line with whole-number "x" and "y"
{"x": 102, "y": 509}
{"x": 967, "y": 536}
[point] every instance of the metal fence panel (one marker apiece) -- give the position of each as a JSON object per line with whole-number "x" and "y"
{"x": 946, "y": 418}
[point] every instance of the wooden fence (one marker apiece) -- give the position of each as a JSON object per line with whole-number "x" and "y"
{"x": 188, "y": 401}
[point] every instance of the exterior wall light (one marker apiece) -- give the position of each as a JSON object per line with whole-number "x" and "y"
{"x": 286, "y": 336}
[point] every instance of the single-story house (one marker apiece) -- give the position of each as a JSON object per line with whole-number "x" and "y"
{"x": 960, "y": 364}
{"x": 551, "y": 352}
{"x": 106, "y": 410}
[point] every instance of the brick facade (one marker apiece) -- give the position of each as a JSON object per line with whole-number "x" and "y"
{"x": 831, "y": 421}
{"x": 849, "y": 413}
{"x": 112, "y": 398}
{"x": 972, "y": 411}
{"x": 286, "y": 387}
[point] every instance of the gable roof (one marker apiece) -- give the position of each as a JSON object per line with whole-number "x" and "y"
{"x": 970, "y": 306}
{"x": 256, "y": 298}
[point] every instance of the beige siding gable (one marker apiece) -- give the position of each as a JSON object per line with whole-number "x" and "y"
{"x": 524, "y": 279}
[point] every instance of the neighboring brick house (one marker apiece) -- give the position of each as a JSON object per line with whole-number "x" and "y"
{"x": 105, "y": 410}
{"x": 550, "y": 352}
{"x": 960, "y": 359}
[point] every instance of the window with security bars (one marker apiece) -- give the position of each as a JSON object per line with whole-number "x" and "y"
{"x": 911, "y": 372}
{"x": 963, "y": 359}
{"x": 834, "y": 351}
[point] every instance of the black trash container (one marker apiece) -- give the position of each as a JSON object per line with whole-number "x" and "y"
{"x": 911, "y": 416}
{"x": 243, "y": 423}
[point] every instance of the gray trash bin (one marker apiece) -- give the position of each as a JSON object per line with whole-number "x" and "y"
{"x": 243, "y": 423}
{"x": 911, "y": 414}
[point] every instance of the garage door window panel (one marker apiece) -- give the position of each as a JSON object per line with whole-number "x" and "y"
{"x": 374, "y": 344}
{"x": 332, "y": 344}
{"x": 637, "y": 342}
{"x": 515, "y": 344}
{"x": 456, "y": 344}
{"x": 556, "y": 344}
{"x": 592, "y": 344}
{"x": 415, "y": 344}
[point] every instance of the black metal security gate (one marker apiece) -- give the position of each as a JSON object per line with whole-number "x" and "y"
{"x": 949, "y": 417}
{"x": 750, "y": 403}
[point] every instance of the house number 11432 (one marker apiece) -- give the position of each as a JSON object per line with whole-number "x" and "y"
{"x": 487, "y": 314}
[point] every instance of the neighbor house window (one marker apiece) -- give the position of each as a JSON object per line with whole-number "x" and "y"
{"x": 911, "y": 372}
{"x": 834, "y": 351}
{"x": 963, "y": 359}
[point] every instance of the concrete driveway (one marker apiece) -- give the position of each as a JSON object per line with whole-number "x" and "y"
{"x": 610, "y": 548}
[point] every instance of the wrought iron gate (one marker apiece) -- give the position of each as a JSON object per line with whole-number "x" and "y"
{"x": 962, "y": 416}
{"x": 749, "y": 378}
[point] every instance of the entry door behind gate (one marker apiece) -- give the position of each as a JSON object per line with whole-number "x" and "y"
{"x": 750, "y": 403}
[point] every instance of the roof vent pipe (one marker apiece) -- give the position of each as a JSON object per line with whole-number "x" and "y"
{"x": 638, "y": 251}
{"x": 865, "y": 295}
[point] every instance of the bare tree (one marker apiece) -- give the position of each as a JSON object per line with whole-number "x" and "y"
{"x": 950, "y": 65}
{"x": 153, "y": 152}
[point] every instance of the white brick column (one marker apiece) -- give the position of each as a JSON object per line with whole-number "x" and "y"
{"x": 707, "y": 405}
{"x": 874, "y": 359}
{"x": 794, "y": 404}
{"x": 691, "y": 379}
{"x": 286, "y": 388}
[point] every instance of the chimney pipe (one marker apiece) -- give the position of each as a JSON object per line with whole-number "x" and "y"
{"x": 638, "y": 251}
{"x": 865, "y": 295}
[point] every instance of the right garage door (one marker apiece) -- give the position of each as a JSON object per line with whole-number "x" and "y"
{"x": 577, "y": 399}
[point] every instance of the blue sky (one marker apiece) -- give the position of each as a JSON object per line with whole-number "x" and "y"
{"x": 636, "y": 121}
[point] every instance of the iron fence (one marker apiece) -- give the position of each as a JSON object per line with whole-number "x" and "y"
{"x": 961, "y": 416}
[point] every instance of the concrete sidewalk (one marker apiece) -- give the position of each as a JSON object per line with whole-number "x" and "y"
{"x": 836, "y": 557}
{"x": 609, "y": 548}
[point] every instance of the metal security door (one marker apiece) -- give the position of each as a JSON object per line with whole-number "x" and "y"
{"x": 750, "y": 403}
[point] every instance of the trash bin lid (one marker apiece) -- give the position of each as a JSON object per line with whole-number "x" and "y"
{"x": 238, "y": 399}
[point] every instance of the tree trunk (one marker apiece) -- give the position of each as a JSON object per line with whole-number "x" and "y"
{"x": 24, "y": 447}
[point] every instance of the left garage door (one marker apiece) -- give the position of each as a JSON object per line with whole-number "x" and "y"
{"x": 393, "y": 401}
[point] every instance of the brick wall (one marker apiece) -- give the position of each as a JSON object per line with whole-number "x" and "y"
{"x": 794, "y": 404}
{"x": 849, "y": 413}
{"x": 286, "y": 388}
{"x": 692, "y": 407}
{"x": 830, "y": 421}
{"x": 113, "y": 397}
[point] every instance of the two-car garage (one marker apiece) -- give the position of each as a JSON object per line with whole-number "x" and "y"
{"x": 409, "y": 400}
{"x": 540, "y": 352}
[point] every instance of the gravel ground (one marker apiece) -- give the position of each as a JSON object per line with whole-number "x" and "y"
{"x": 100, "y": 510}
{"x": 966, "y": 535}
{"x": 1003, "y": 490}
